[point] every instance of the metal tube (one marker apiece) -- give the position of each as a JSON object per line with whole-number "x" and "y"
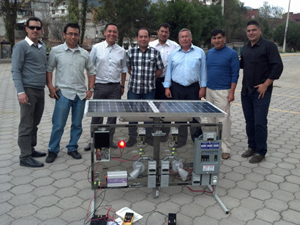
{"x": 218, "y": 199}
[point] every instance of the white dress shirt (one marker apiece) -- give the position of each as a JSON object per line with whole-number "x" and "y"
{"x": 165, "y": 51}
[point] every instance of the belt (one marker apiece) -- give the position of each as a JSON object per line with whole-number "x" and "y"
{"x": 110, "y": 83}
{"x": 161, "y": 79}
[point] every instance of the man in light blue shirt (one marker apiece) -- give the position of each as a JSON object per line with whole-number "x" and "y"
{"x": 69, "y": 91}
{"x": 186, "y": 77}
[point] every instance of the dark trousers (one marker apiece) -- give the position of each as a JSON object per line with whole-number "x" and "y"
{"x": 255, "y": 112}
{"x": 107, "y": 91}
{"x": 30, "y": 117}
{"x": 160, "y": 95}
{"x": 191, "y": 92}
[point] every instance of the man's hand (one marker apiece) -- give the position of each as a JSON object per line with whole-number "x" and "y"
{"x": 261, "y": 88}
{"x": 231, "y": 97}
{"x": 202, "y": 92}
{"x": 88, "y": 95}
{"x": 52, "y": 91}
{"x": 23, "y": 99}
{"x": 168, "y": 93}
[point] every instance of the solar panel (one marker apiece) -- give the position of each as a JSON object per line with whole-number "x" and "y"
{"x": 151, "y": 108}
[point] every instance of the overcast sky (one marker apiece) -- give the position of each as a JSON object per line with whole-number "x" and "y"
{"x": 294, "y": 7}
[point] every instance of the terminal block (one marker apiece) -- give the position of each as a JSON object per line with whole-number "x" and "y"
{"x": 164, "y": 173}
{"x": 151, "y": 174}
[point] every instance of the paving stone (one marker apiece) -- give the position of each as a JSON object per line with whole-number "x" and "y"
{"x": 66, "y": 192}
{"x": 283, "y": 195}
{"x": 293, "y": 179}
{"x": 257, "y": 222}
{"x": 21, "y": 211}
{"x": 143, "y": 206}
{"x": 294, "y": 204}
{"x": 167, "y": 207}
{"x": 55, "y": 221}
{"x": 22, "y": 189}
{"x": 268, "y": 215}
{"x": 242, "y": 170}
{"x": 51, "y": 212}
{"x": 283, "y": 222}
{"x": 262, "y": 171}
{"x": 291, "y": 216}
{"x": 246, "y": 184}
{"x": 289, "y": 187}
{"x": 192, "y": 209}
{"x": 234, "y": 176}
{"x": 56, "y": 175}
{"x": 22, "y": 199}
{"x": 276, "y": 204}
{"x": 260, "y": 194}
{"x": 69, "y": 202}
{"x": 281, "y": 172}
{"x": 230, "y": 221}
{"x": 133, "y": 196}
{"x": 6, "y": 219}
{"x": 44, "y": 190}
{"x": 274, "y": 178}
{"x": 243, "y": 214}
{"x": 268, "y": 186}
{"x": 46, "y": 201}
{"x": 238, "y": 193}
{"x": 205, "y": 220}
{"x": 29, "y": 220}
{"x": 252, "y": 203}
{"x": 182, "y": 199}
{"x": 61, "y": 183}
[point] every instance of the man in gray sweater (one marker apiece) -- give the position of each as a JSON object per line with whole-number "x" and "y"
{"x": 29, "y": 75}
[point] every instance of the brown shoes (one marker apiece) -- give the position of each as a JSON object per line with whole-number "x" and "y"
{"x": 225, "y": 155}
{"x": 248, "y": 153}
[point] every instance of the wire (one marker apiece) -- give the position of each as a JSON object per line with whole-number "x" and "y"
{"x": 153, "y": 213}
{"x": 210, "y": 192}
{"x": 127, "y": 160}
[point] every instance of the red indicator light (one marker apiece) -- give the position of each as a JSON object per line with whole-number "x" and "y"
{"x": 122, "y": 144}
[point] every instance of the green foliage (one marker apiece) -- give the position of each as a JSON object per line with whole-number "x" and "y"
{"x": 292, "y": 37}
{"x": 129, "y": 15}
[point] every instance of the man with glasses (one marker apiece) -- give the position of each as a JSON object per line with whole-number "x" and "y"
{"x": 110, "y": 62}
{"x": 69, "y": 91}
{"x": 29, "y": 63}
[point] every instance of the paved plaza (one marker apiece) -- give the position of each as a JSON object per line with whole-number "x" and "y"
{"x": 60, "y": 193}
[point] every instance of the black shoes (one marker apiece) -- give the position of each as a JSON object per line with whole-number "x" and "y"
{"x": 257, "y": 158}
{"x": 36, "y": 154}
{"x": 248, "y": 153}
{"x": 51, "y": 157}
{"x": 74, "y": 154}
{"x": 30, "y": 162}
{"x": 131, "y": 142}
{"x": 88, "y": 147}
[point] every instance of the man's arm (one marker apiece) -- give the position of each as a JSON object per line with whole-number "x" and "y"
{"x": 203, "y": 76}
{"x": 123, "y": 79}
{"x": 52, "y": 89}
{"x": 91, "y": 84}
{"x": 231, "y": 93}
{"x": 158, "y": 73}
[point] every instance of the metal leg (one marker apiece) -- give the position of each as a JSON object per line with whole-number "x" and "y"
{"x": 155, "y": 192}
{"x": 92, "y": 207}
{"x": 218, "y": 199}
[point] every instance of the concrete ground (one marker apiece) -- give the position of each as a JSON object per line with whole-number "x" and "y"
{"x": 59, "y": 193}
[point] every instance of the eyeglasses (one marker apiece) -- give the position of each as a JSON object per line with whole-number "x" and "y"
{"x": 72, "y": 34}
{"x": 33, "y": 27}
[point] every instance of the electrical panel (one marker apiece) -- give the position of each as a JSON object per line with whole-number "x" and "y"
{"x": 207, "y": 155}
{"x": 101, "y": 146}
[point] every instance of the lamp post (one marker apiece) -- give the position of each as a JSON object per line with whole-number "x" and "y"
{"x": 286, "y": 27}
{"x": 223, "y": 7}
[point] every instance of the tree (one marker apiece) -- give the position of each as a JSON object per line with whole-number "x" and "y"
{"x": 292, "y": 37}
{"x": 10, "y": 9}
{"x": 129, "y": 15}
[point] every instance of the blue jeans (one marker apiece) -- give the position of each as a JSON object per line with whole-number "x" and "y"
{"x": 256, "y": 111}
{"x": 130, "y": 95}
{"x": 59, "y": 119}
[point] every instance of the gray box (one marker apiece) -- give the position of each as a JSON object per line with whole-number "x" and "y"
{"x": 164, "y": 177}
{"x": 151, "y": 174}
{"x": 116, "y": 179}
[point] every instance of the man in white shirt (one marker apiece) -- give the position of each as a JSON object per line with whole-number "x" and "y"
{"x": 109, "y": 60}
{"x": 165, "y": 46}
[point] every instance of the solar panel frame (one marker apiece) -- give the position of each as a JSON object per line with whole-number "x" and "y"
{"x": 151, "y": 108}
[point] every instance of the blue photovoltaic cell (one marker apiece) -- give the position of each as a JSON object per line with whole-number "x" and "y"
{"x": 117, "y": 106}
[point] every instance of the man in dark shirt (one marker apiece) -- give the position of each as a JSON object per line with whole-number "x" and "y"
{"x": 262, "y": 65}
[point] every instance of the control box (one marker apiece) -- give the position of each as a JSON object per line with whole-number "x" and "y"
{"x": 101, "y": 146}
{"x": 207, "y": 155}
{"x": 116, "y": 178}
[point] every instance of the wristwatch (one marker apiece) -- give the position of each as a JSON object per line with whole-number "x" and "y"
{"x": 91, "y": 89}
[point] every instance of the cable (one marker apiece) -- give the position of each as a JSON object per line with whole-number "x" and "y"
{"x": 153, "y": 213}
{"x": 210, "y": 192}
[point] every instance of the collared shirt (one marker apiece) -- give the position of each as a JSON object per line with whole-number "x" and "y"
{"x": 165, "y": 51}
{"x": 110, "y": 62}
{"x": 70, "y": 65}
{"x": 30, "y": 42}
{"x": 143, "y": 68}
{"x": 260, "y": 62}
{"x": 186, "y": 68}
